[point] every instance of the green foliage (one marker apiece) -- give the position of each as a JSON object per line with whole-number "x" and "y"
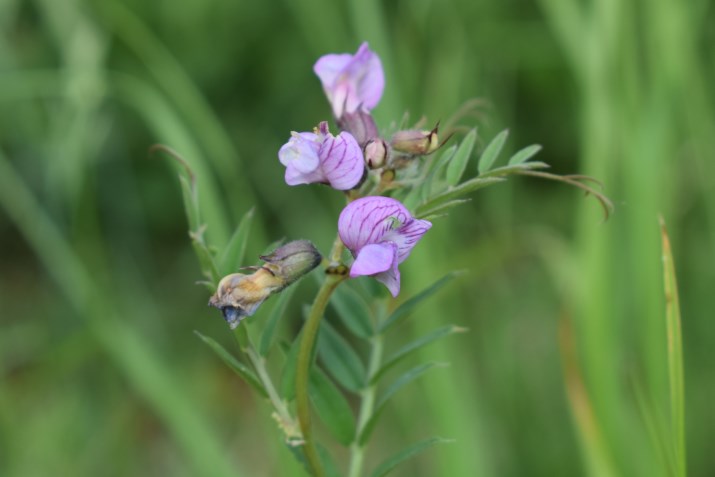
{"x": 97, "y": 290}
{"x": 405, "y": 454}
{"x": 332, "y": 407}
{"x": 340, "y": 359}
{"x": 239, "y": 368}
{"x": 492, "y": 151}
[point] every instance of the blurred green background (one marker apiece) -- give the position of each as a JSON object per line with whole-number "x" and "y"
{"x": 100, "y": 371}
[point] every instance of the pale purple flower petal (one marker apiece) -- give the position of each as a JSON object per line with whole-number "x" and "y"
{"x": 351, "y": 82}
{"x": 374, "y": 258}
{"x": 320, "y": 157}
{"x": 380, "y": 233}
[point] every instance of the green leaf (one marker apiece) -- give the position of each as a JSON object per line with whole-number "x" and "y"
{"x": 191, "y": 202}
{"x": 515, "y": 169}
{"x": 405, "y": 308}
{"x": 331, "y": 470}
{"x": 332, "y": 407}
{"x": 389, "y": 465}
{"x": 240, "y": 368}
{"x": 353, "y": 311}
{"x": 272, "y": 322}
{"x": 492, "y": 151}
{"x": 442, "y": 209}
{"x": 399, "y": 383}
{"x": 233, "y": 255}
{"x": 340, "y": 359}
{"x": 414, "y": 346}
{"x": 433, "y": 177}
{"x": 206, "y": 259}
{"x": 289, "y": 368}
{"x": 456, "y": 192}
{"x": 458, "y": 163}
{"x": 524, "y": 155}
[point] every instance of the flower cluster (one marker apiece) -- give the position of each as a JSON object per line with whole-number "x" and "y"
{"x": 379, "y": 231}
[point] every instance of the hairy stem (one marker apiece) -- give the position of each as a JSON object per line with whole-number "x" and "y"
{"x": 285, "y": 420}
{"x": 334, "y": 275}
{"x": 367, "y": 396}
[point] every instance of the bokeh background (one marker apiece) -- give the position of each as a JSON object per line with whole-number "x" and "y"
{"x": 100, "y": 371}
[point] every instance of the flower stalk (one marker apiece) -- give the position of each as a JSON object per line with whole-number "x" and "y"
{"x": 335, "y": 274}
{"x": 367, "y": 404}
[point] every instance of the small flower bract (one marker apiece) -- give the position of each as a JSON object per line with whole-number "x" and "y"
{"x": 320, "y": 157}
{"x": 351, "y": 82}
{"x": 380, "y": 233}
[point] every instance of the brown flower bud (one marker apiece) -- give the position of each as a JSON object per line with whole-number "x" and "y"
{"x": 240, "y": 295}
{"x": 415, "y": 142}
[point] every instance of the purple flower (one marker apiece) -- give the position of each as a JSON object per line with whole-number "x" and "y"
{"x": 380, "y": 233}
{"x": 351, "y": 82}
{"x": 321, "y": 157}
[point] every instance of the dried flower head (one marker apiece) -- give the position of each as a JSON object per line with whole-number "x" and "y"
{"x": 239, "y": 295}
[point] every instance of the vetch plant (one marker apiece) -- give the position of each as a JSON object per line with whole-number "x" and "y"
{"x": 394, "y": 187}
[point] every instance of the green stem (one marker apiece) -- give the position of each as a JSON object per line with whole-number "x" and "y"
{"x": 310, "y": 332}
{"x": 286, "y": 422}
{"x": 357, "y": 450}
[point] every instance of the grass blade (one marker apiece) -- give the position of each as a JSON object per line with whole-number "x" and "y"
{"x": 675, "y": 353}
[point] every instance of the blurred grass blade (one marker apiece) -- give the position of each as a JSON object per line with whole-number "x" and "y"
{"x": 352, "y": 311}
{"x": 675, "y": 353}
{"x": 592, "y": 442}
{"x": 399, "y": 383}
{"x": 492, "y": 151}
{"x": 659, "y": 438}
{"x": 238, "y": 367}
{"x": 458, "y": 163}
{"x": 234, "y": 253}
{"x": 340, "y": 359}
{"x": 404, "y": 309}
{"x": 269, "y": 331}
{"x": 389, "y": 465}
{"x": 414, "y": 346}
{"x": 524, "y": 155}
{"x": 332, "y": 407}
{"x": 156, "y": 382}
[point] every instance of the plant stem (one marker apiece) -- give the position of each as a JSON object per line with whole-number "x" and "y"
{"x": 286, "y": 422}
{"x": 305, "y": 353}
{"x": 357, "y": 450}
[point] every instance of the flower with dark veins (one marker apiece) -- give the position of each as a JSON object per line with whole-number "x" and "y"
{"x": 380, "y": 233}
{"x": 351, "y": 82}
{"x": 320, "y": 157}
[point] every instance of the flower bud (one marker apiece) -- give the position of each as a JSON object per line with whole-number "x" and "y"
{"x": 376, "y": 153}
{"x": 415, "y": 142}
{"x": 360, "y": 124}
{"x": 292, "y": 261}
{"x": 240, "y": 295}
